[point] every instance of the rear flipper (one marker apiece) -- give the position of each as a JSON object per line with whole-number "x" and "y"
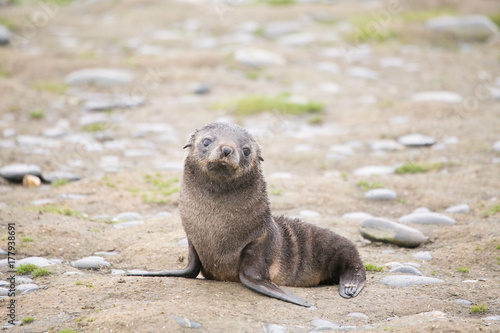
{"x": 351, "y": 282}
{"x": 191, "y": 271}
{"x": 254, "y": 274}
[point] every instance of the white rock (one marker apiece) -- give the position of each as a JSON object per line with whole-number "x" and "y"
{"x": 416, "y": 140}
{"x": 381, "y": 194}
{"x": 469, "y": 27}
{"x": 100, "y": 76}
{"x": 309, "y": 213}
{"x": 437, "y": 96}
{"x": 374, "y": 170}
{"x": 458, "y": 209}
{"x": 363, "y": 73}
{"x": 258, "y": 58}
{"x": 357, "y": 216}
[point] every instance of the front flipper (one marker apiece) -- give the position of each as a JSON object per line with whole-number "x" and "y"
{"x": 191, "y": 271}
{"x": 351, "y": 282}
{"x": 254, "y": 274}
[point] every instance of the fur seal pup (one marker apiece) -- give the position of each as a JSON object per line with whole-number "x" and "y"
{"x": 232, "y": 235}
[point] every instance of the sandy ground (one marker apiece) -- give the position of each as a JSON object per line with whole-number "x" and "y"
{"x": 98, "y": 34}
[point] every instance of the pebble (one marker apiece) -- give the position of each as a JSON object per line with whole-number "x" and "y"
{"x": 99, "y": 76}
{"x": 93, "y": 262}
{"x": 437, "y": 96}
{"x": 374, "y": 170}
{"x": 357, "y": 216}
{"x": 322, "y": 325}
{"x": 118, "y": 272}
{"x": 427, "y": 218}
{"x": 38, "y": 261}
{"x": 458, "y": 209}
{"x": 297, "y": 39}
{"x": 31, "y": 181}
{"x": 183, "y": 242}
{"x": 416, "y": 140}
{"x": 385, "y": 145}
{"x": 128, "y": 216}
{"x": 381, "y": 230}
{"x": 93, "y": 118}
{"x": 188, "y": 323}
{"x": 358, "y": 315}
{"x": 128, "y": 224}
{"x": 309, "y": 213}
{"x": 4, "y": 291}
{"x": 26, "y": 288}
{"x": 407, "y": 270}
{"x": 391, "y": 62}
{"x": 463, "y": 302}
{"x": 423, "y": 255}
{"x": 16, "y": 172}
{"x": 381, "y": 194}
{"x": 495, "y": 318}
{"x": 274, "y": 328}
{"x": 9, "y": 132}
{"x": 73, "y": 273}
{"x": 258, "y": 58}
{"x": 329, "y": 67}
{"x": 363, "y": 73}
{"x": 329, "y": 87}
{"x": 109, "y": 103}
{"x": 421, "y": 210}
{"x": 408, "y": 280}
{"x": 389, "y": 251}
{"x": 279, "y": 28}
{"x": 283, "y": 175}
{"x": 496, "y": 146}
{"x": 201, "y": 88}
{"x": 60, "y": 175}
{"x": 54, "y": 132}
{"x": 4, "y": 35}
{"x": 468, "y": 27}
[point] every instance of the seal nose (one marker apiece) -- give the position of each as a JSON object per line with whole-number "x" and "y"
{"x": 226, "y": 151}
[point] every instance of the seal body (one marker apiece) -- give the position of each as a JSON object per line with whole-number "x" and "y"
{"x": 232, "y": 234}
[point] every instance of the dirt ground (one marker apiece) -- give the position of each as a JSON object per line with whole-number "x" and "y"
{"x": 86, "y": 34}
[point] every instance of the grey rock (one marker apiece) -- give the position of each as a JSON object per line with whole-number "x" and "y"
{"x": 105, "y": 254}
{"x": 9, "y": 132}
{"x": 421, "y": 210}
{"x": 93, "y": 118}
{"x": 407, "y": 270}
{"x": 408, "y": 280}
{"x": 392, "y": 62}
{"x": 3, "y": 252}
{"x": 385, "y": 145}
{"x": 279, "y": 28}
{"x": 99, "y": 76}
{"x": 4, "y": 291}
{"x": 458, "y": 209}
{"x": 274, "y": 328}
{"x": 437, "y": 96}
{"x": 358, "y": 315}
{"x": 3, "y": 262}
{"x": 16, "y": 172}
{"x": 72, "y": 196}
{"x": 60, "y": 175}
{"x": 54, "y": 132}
{"x": 258, "y": 58}
{"x": 73, "y": 273}
{"x": 412, "y": 264}
{"x": 468, "y": 28}
{"x": 201, "y": 89}
{"x": 374, "y": 170}
{"x": 185, "y": 322}
{"x": 357, "y": 216}
{"x": 118, "y": 272}
{"x": 128, "y": 224}
{"x": 389, "y": 251}
{"x": 4, "y": 35}
{"x": 427, "y": 218}
{"x": 463, "y": 302}
{"x": 109, "y": 103}
{"x": 495, "y": 318}
{"x": 363, "y": 73}
{"x": 23, "y": 280}
{"x": 37, "y": 261}
{"x": 93, "y": 262}
{"x": 381, "y": 230}
{"x": 424, "y": 255}
{"x": 25, "y": 288}
{"x": 416, "y": 140}
{"x": 328, "y": 67}
{"x": 128, "y": 216}
{"x": 496, "y": 146}
{"x": 7, "y": 144}
{"x": 381, "y": 194}
{"x": 323, "y": 325}
{"x": 297, "y": 39}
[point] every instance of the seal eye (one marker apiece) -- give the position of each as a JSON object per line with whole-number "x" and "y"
{"x": 206, "y": 142}
{"x": 246, "y": 151}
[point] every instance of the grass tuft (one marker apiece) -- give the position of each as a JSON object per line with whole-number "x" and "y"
{"x": 93, "y": 128}
{"x": 37, "y": 114}
{"x": 255, "y": 104}
{"x": 463, "y": 269}
{"x": 60, "y": 182}
{"x": 480, "y": 308}
{"x": 373, "y": 268}
{"x": 28, "y": 320}
{"x": 58, "y": 210}
{"x": 365, "y": 185}
{"x": 492, "y": 211}
{"x": 49, "y": 86}
{"x": 25, "y": 269}
{"x": 40, "y": 272}
{"x": 418, "y": 168}
{"x": 26, "y": 239}
{"x": 495, "y": 17}
{"x": 424, "y": 15}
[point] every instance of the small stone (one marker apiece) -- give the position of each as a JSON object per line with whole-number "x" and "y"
{"x": 31, "y": 181}
{"x": 184, "y": 322}
{"x": 23, "y": 280}
{"x": 4, "y": 291}
{"x": 329, "y": 87}
{"x": 391, "y": 62}
{"x": 109, "y": 103}
{"x": 309, "y": 213}
{"x": 93, "y": 262}
{"x": 274, "y": 328}
{"x": 16, "y": 172}
{"x": 9, "y": 132}
{"x": 468, "y": 27}
{"x": 496, "y": 146}
{"x": 437, "y": 96}
{"x": 99, "y": 76}
{"x": 128, "y": 216}
{"x": 3, "y": 252}
{"x": 494, "y": 318}
{"x": 128, "y": 224}
{"x": 358, "y": 315}
{"x": 258, "y": 58}
{"x": 407, "y": 270}
{"x": 278, "y": 28}
{"x": 421, "y": 210}
{"x": 381, "y": 194}
{"x": 118, "y": 272}
{"x": 412, "y": 264}
{"x": 408, "y": 280}
{"x": 54, "y": 132}
{"x": 374, "y": 170}
{"x": 389, "y": 251}
{"x": 37, "y": 261}
{"x": 328, "y": 67}
{"x": 283, "y": 175}
{"x": 26, "y": 288}
{"x": 322, "y": 325}
{"x": 357, "y": 216}
{"x": 4, "y": 35}
{"x": 385, "y": 145}
{"x": 424, "y": 255}
{"x": 201, "y": 89}
{"x": 463, "y": 302}
{"x": 73, "y": 273}
{"x": 458, "y": 209}
{"x": 105, "y": 254}
{"x": 427, "y": 218}
{"x": 416, "y": 140}
{"x": 183, "y": 242}
{"x": 381, "y": 230}
{"x": 51, "y": 177}
{"x": 363, "y": 73}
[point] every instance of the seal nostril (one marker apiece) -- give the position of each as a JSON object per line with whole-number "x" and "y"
{"x": 226, "y": 151}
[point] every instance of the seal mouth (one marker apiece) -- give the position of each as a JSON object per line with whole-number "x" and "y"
{"x": 221, "y": 168}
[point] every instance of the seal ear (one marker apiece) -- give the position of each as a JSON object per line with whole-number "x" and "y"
{"x": 261, "y": 159}
{"x": 191, "y": 140}
{"x": 188, "y": 145}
